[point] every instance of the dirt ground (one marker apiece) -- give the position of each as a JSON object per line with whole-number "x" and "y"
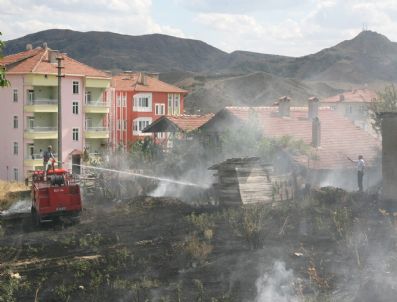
{"x": 330, "y": 246}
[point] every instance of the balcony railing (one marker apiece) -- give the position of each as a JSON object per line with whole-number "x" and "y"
{"x": 97, "y": 103}
{"x": 42, "y": 102}
{"x": 42, "y": 129}
{"x": 97, "y": 129}
{"x": 38, "y": 156}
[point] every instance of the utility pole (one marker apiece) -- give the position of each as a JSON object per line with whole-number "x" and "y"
{"x": 59, "y": 76}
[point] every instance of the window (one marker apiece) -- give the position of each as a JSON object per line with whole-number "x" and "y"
{"x": 143, "y": 102}
{"x": 87, "y": 97}
{"x": 161, "y": 135}
{"x": 16, "y": 174}
{"x": 76, "y": 134}
{"x": 31, "y": 96}
{"x": 15, "y": 95}
{"x": 30, "y": 122}
{"x": 177, "y": 109}
{"x": 75, "y": 87}
{"x": 333, "y": 107}
{"x": 88, "y": 124}
{"x": 122, "y": 100}
{"x": 140, "y": 124}
{"x": 118, "y": 101}
{"x": 160, "y": 109}
{"x": 170, "y": 104}
{"x": 122, "y": 125}
{"x": 75, "y": 107}
{"x": 15, "y": 122}
{"x": 15, "y": 148}
{"x": 31, "y": 151}
{"x": 174, "y": 104}
{"x": 348, "y": 109}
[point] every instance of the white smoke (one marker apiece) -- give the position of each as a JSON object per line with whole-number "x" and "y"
{"x": 21, "y": 206}
{"x": 276, "y": 286}
{"x": 161, "y": 190}
{"x": 196, "y": 179}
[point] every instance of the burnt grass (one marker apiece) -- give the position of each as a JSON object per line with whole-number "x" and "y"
{"x": 340, "y": 247}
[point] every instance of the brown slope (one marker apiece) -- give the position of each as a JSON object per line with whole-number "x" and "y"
{"x": 256, "y": 89}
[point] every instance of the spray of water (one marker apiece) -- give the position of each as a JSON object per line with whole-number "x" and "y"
{"x": 162, "y": 179}
{"x": 21, "y": 206}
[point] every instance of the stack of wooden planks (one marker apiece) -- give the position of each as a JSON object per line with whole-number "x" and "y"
{"x": 249, "y": 180}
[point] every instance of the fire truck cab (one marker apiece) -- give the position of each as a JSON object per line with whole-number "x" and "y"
{"x": 54, "y": 195}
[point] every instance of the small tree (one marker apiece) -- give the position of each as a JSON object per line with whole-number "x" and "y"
{"x": 3, "y": 81}
{"x": 387, "y": 102}
{"x": 144, "y": 152}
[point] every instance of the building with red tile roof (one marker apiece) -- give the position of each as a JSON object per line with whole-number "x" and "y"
{"x": 139, "y": 99}
{"x": 182, "y": 123}
{"x": 354, "y": 96}
{"x": 354, "y": 105}
{"x": 28, "y": 118}
{"x": 43, "y": 61}
{"x": 167, "y": 128}
{"x": 338, "y": 137}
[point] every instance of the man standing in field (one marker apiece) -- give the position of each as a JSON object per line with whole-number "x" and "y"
{"x": 360, "y": 171}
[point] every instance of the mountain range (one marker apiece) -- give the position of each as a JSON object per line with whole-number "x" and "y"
{"x": 216, "y": 78}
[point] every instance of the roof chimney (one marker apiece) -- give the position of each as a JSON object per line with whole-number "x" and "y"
{"x": 313, "y": 104}
{"x": 45, "y": 45}
{"x": 316, "y": 132}
{"x": 284, "y": 106}
{"x": 29, "y": 46}
{"x": 52, "y": 56}
{"x": 341, "y": 97}
{"x": 142, "y": 79}
{"x": 154, "y": 75}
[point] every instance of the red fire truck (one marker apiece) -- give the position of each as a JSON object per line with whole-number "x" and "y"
{"x": 54, "y": 195}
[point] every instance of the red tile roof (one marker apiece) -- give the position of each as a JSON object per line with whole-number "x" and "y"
{"x": 180, "y": 123}
{"x": 355, "y": 96}
{"x": 19, "y": 56}
{"x": 339, "y": 136}
{"x": 134, "y": 82}
{"x": 36, "y": 61}
{"x": 190, "y": 122}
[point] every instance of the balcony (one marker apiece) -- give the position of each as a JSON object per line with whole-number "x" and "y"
{"x": 41, "y": 105}
{"x": 41, "y": 133}
{"x": 96, "y": 107}
{"x": 96, "y": 132}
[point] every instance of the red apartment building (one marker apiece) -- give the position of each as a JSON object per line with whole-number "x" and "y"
{"x": 138, "y": 99}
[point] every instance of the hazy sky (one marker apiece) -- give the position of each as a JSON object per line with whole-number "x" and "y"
{"x": 288, "y": 27}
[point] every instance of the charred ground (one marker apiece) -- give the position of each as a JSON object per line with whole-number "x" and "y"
{"x": 338, "y": 246}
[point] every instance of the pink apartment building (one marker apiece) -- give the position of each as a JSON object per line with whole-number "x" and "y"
{"x": 29, "y": 107}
